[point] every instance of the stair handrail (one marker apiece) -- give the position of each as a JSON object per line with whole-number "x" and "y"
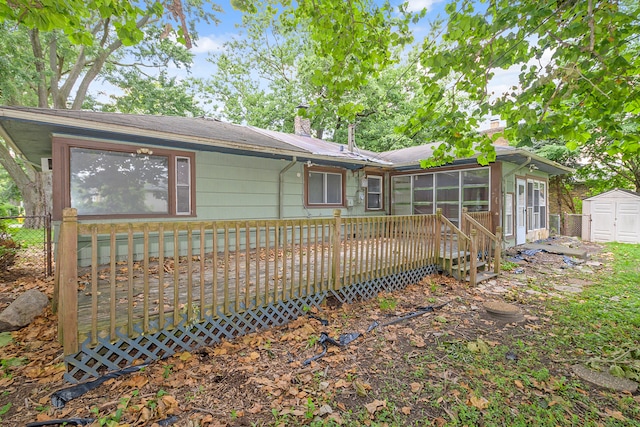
{"x": 466, "y": 247}
{"x": 483, "y": 232}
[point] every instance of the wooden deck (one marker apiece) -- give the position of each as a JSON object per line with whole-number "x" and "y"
{"x": 135, "y": 284}
{"x": 242, "y": 280}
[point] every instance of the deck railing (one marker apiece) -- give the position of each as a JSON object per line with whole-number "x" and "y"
{"x": 148, "y": 276}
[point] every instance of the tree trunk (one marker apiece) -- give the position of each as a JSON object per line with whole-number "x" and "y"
{"x": 37, "y": 200}
{"x": 34, "y": 186}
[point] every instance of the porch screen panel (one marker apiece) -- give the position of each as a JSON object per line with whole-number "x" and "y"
{"x": 423, "y": 194}
{"x": 448, "y": 194}
{"x": 110, "y": 182}
{"x": 475, "y": 190}
{"x": 401, "y": 195}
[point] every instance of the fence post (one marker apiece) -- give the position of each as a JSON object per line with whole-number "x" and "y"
{"x": 498, "y": 250}
{"x": 47, "y": 229}
{"x": 337, "y": 239}
{"x": 473, "y": 258}
{"x": 67, "y": 269}
{"x": 438, "y": 232}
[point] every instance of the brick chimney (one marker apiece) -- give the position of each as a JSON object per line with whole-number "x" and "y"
{"x": 495, "y": 123}
{"x": 302, "y": 125}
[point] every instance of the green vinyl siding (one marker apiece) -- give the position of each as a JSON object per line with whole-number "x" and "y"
{"x": 240, "y": 187}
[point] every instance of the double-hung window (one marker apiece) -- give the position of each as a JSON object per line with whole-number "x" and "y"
{"x": 374, "y": 193}
{"x": 536, "y": 204}
{"x": 113, "y": 180}
{"x": 324, "y": 187}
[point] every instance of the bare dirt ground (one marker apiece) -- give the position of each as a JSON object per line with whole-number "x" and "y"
{"x": 261, "y": 379}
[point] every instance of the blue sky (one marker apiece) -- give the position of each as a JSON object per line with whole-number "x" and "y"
{"x": 212, "y": 37}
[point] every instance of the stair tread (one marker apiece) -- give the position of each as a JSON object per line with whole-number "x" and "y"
{"x": 481, "y": 276}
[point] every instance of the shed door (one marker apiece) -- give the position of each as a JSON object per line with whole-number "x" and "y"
{"x": 603, "y": 220}
{"x": 627, "y": 224}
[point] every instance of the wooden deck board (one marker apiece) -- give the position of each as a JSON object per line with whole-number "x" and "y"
{"x": 302, "y": 272}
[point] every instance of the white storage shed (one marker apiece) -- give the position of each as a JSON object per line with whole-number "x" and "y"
{"x": 613, "y": 216}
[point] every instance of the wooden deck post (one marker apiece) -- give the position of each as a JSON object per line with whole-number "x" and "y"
{"x": 68, "y": 281}
{"x": 498, "y": 253}
{"x": 473, "y": 258}
{"x": 463, "y": 220}
{"x": 335, "y": 267}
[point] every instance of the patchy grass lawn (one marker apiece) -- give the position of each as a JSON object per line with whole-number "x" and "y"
{"x": 456, "y": 366}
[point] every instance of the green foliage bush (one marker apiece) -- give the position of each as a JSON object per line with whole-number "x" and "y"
{"x": 7, "y": 209}
{"x": 8, "y": 248}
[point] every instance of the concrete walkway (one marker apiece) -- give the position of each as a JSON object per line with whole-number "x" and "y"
{"x": 556, "y": 249}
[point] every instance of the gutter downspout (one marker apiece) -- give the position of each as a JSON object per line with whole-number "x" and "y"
{"x": 294, "y": 160}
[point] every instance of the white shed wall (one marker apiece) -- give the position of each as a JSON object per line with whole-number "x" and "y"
{"x": 612, "y": 217}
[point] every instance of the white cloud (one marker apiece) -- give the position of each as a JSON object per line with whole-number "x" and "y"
{"x": 207, "y": 44}
{"x": 417, "y": 5}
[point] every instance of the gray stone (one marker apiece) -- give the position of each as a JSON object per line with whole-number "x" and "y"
{"x": 569, "y": 289}
{"x": 23, "y": 310}
{"x": 605, "y": 379}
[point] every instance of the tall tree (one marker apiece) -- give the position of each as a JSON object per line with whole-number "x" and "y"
{"x": 157, "y": 95}
{"x": 262, "y": 75}
{"x": 578, "y": 63}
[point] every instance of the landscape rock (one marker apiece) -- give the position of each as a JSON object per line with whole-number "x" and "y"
{"x": 568, "y": 289}
{"x": 23, "y": 310}
{"x": 605, "y": 379}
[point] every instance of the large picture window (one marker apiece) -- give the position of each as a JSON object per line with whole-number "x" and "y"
{"x": 324, "y": 187}
{"x": 109, "y": 180}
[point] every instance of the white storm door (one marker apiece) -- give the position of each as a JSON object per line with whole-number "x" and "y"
{"x": 521, "y": 211}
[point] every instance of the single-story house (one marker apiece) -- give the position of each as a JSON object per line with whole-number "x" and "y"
{"x": 612, "y": 216}
{"x": 181, "y": 232}
{"x": 119, "y": 167}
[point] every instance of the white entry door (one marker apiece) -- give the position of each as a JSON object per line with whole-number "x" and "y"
{"x": 521, "y": 211}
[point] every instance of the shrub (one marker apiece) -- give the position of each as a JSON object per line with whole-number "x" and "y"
{"x": 8, "y": 248}
{"x": 7, "y": 209}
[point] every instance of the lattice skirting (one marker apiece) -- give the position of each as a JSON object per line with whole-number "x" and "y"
{"x": 393, "y": 282}
{"x": 93, "y": 361}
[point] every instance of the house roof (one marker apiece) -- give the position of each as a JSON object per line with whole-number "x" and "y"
{"x": 409, "y": 158}
{"x": 627, "y": 193}
{"x": 29, "y": 130}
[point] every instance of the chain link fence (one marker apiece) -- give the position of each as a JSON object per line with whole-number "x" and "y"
{"x": 26, "y": 248}
{"x": 572, "y": 225}
{"x": 554, "y": 224}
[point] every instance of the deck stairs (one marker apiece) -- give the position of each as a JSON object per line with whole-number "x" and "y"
{"x": 472, "y": 252}
{"x": 459, "y": 263}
